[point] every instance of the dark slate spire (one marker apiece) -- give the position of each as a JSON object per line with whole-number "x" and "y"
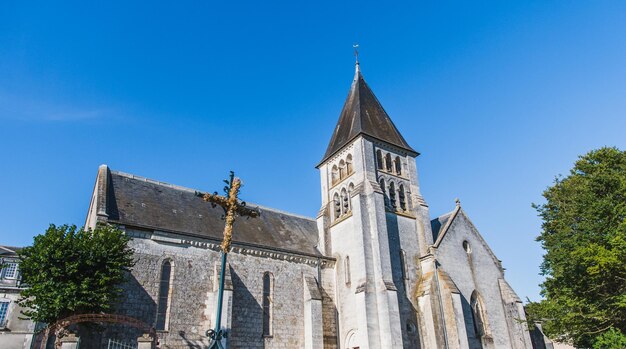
{"x": 363, "y": 114}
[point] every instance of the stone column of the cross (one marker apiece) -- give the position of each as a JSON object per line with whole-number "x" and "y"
{"x": 232, "y": 208}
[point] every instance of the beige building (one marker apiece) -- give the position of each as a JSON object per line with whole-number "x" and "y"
{"x": 15, "y": 332}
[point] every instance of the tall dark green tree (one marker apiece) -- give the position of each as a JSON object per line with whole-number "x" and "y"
{"x": 584, "y": 237}
{"x": 73, "y": 271}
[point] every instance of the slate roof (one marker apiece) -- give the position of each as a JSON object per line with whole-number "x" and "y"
{"x": 9, "y": 250}
{"x": 140, "y": 202}
{"x": 362, "y": 113}
{"x": 439, "y": 223}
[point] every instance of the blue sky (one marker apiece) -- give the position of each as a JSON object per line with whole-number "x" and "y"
{"x": 499, "y": 97}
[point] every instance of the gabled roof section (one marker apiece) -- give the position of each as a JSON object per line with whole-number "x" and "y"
{"x": 444, "y": 222}
{"x": 362, "y": 113}
{"x": 134, "y": 201}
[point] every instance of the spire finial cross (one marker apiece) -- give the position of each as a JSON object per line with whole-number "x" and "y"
{"x": 356, "y": 52}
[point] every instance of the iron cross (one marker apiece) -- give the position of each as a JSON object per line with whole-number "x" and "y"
{"x": 232, "y": 207}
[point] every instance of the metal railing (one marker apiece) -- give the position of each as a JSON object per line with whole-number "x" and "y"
{"x": 116, "y": 344}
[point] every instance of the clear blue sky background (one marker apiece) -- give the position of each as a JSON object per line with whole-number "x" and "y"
{"x": 499, "y": 97}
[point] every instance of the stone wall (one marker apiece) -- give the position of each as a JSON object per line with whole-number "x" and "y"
{"x": 477, "y": 270}
{"x": 193, "y": 298}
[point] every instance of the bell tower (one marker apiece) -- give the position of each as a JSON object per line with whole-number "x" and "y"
{"x": 374, "y": 221}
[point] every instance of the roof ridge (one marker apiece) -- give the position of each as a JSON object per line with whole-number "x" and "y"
{"x": 191, "y": 190}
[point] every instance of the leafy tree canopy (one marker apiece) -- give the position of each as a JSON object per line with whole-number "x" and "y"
{"x": 72, "y": 271}
{"x": 584, "y": 236}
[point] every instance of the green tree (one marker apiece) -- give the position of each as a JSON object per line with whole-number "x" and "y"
{"x": 611, "y": 339}
{"x": 584, "y": 236}
{"x": 73, "y": 271}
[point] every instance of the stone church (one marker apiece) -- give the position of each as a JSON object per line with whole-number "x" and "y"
{"x": 372, "y": 270}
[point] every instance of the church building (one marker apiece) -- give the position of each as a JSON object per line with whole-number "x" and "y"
{"x": 372, "y": 270}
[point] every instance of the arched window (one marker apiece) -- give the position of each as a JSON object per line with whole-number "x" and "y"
{"x": 388, "y": 164}
{"x": 337, "y": 205}
{"x": 335, "y": 175}
{"x": 342, "y": 170}
{"x": 478, "y": 315}
{"x": 345, "y": 201}
{"x": 268, "y": 286}
{"x": 392, "y": 195}
{"x": 379, "y": 159}
{"x": 384, "y": 189}
{"x": 349, "y": 168}
{"x": 346, "y": 268}
{"x": 405, "y": 271}
{"x": 164, "y": 300}
{"x": 402, "y": 196}
{"x": 398, "y": 164}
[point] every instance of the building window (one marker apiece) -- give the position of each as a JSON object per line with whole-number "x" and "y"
{"x": 334, "y": 175}
{"x": 346, "y": 267}
{"x": 379, "y": 159}
{"x": 10, "y": 271}
{"x": 466, "y": 247}
{"x": 267, "y": 303}
{"x": 4, "y": 310}
{"x": 163, "y": 307}
{"x": 478, "y": 315}
{"x": 345, "y": 202}
{"x": 398, "y": 166}
{"x": 392, "y": 195}
{"x": 410, "y": 327}
{"x": 384, "y": 189}
{"x": 349, "y": 164}
{"x": 342, "y": 170}
{"x": 402, "y": 197}
{"x": 388, "y": 164}
{"x": 405, "y": 271}
{"x": 337, "y": 205}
